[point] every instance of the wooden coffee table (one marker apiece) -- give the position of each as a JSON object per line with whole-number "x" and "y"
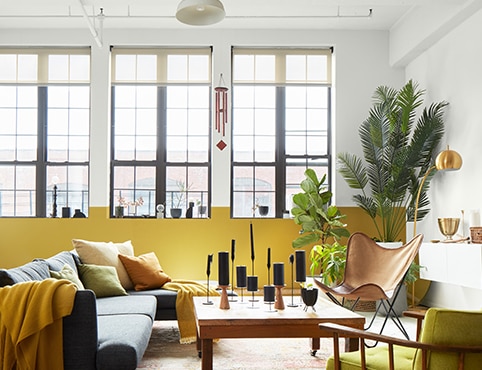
{"x": 240, "y": 321}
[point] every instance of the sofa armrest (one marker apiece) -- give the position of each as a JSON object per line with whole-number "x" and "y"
{"x": 338, "y": 331}
{"x": 80, "y": 333}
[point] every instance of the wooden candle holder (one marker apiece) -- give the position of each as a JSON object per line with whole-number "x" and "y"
{"x": 279, "y": 304}
{"x": 224, "y": 302}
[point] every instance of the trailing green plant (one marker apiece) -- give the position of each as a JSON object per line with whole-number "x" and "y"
{"x": 321, "y": 224}
{"x": 398, "y": 149}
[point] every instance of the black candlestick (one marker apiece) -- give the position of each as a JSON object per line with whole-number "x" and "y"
{"x": 252, "y": 247}
{"x": 223, "y": 268}
{"x": 279, "y": 273}
{"x": 268, "y": 265}
{"x": 300, "y": 266}
{"x": 252, "y": 287}
{"x": 208, "y": 272}
{"x": 292, "y": 260}
{"x": 241, "y": 279}
{"x": 268, "y": 294}
{"x": 233, "y": 244}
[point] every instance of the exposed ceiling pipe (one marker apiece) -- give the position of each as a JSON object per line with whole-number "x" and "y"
{"x": 91, "y": 25}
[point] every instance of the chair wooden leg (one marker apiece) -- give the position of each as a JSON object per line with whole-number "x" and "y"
{"x": 336, "y": 350}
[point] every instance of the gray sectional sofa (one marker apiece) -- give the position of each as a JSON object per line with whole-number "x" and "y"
{"x": 109, "y": 333}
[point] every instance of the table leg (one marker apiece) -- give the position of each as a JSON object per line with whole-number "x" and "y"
{"x": 207, "y": 354}
{"x": 315, "y": 345}
{"x": 198, "y": 346}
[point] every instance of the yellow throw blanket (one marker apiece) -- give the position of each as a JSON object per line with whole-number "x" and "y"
{"x": 31, "y": 324}
{"x": 186, "y": 319}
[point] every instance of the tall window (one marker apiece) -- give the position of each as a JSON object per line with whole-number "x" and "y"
{"x": 161, "y": 130}
{"x": 281, "y": 126}
{"x": 44, "y": 131}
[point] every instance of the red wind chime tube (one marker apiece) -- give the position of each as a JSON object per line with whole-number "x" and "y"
{"x": 221, "y": 109}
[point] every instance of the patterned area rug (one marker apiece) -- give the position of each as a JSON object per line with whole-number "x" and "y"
{"x": 165, "y": 352}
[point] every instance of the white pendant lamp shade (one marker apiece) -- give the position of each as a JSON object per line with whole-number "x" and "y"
{"x": 200, "y": 12}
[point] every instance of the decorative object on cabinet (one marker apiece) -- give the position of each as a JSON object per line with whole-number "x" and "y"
{"x": 447, "y": 160}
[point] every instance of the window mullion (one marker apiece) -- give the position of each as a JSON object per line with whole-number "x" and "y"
{"x": 161, "y": 145}
{"x": 41, "y": 168}
{"x": 280, "y": 149}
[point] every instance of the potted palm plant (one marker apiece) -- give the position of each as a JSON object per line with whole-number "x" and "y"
{"x": 398, "y": 149}
{"x": 321, "y": 226}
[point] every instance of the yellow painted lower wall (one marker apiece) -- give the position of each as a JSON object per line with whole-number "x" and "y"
{"x": 182, "y": 245}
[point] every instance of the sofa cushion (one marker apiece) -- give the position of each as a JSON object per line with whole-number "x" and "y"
{"x": 35, "y": 270}
{"x": 166, "y": 302}
{"x": 57, "y": 262}
{"x": 144, "y": 271}
{"x": 102, "y": 280}
{"x": 123, "y": 340}
{"x": 145, "y": 305}
{"x": 105, "y": 254}
{"x": 68, "y": 273}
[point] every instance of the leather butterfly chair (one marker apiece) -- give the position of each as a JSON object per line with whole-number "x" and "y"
{"x": 449, "y": 340}
{"x": 374, "y": 273}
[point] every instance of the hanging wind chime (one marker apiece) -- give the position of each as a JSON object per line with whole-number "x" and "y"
{"x": 221, "y": 96}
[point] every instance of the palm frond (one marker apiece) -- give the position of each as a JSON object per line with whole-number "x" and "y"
{"x": 352, "y": 169}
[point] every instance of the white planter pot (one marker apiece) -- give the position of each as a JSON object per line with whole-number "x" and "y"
{"x": 400, "y": 303}
{"x": 390, "y": 245}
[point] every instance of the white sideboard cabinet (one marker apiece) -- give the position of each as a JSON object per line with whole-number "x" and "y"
{"x": 453, "y": 263}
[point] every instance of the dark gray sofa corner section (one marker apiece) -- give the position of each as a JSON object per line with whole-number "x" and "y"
{"x": 123, "y": 340}
{"x": 80, "y": 333}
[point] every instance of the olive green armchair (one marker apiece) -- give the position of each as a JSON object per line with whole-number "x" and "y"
{"x": 449, "y": 339}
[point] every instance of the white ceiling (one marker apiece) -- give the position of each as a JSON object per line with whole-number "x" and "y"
{"x": 257, "y": 14}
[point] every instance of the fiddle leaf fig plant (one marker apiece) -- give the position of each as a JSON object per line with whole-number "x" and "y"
{"x": 321, "y": 226}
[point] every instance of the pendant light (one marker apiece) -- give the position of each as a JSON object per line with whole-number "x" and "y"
{"x": 200, "y": 12}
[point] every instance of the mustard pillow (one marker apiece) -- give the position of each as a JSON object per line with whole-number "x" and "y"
{"x": 105, "y": 254}
{"x": 102, "y": 280}
{"x": 145, "y": 271}
{"x": 68, "y": 273}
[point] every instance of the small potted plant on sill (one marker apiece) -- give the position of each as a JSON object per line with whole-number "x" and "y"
{"x": 321, "y": 226}
{"x": 178, "y": 199}
{"x": 130, "y": 205}
{"x": 201, "y": 209}
{"x": 263, "y": 210}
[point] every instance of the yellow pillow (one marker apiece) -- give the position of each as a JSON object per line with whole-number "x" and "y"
{"x": 105, "y": 254}
{"x": 145, "y": 271}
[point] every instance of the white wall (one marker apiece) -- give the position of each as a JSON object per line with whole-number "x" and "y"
{"x": 451, "y": 70}
{"x": 361, "y": 64}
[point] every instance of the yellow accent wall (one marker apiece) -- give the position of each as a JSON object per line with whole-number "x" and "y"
{"x": 182, "y": 245}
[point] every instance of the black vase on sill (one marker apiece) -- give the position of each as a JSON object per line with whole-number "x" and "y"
{"x": 189, "y": 210}
{"x": 78, "y": 214}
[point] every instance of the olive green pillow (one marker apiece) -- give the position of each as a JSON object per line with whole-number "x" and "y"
{"x": 103, "y": 280}
{"x": 68, "y": 273}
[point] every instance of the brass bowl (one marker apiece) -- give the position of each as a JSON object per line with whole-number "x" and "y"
{"x": 448, "y": 226}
